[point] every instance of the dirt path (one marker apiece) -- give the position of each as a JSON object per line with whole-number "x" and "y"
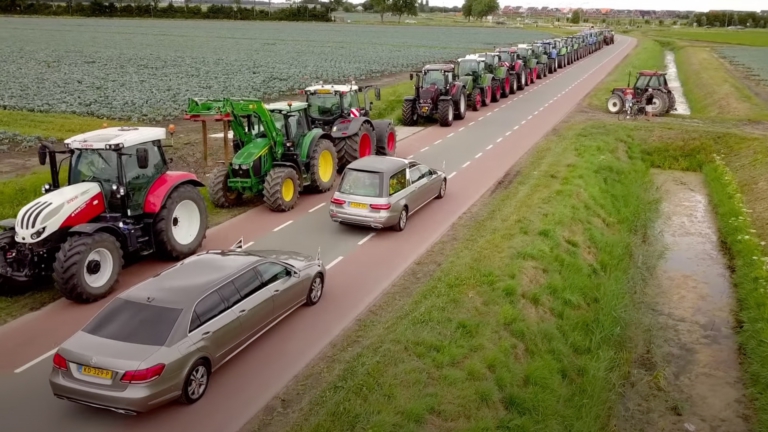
{"x": 692, "y": 307}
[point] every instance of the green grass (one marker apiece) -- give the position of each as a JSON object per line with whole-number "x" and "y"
{"x": 391, "y": 104}
{"x": 60, "y": 126}
{"x": 20, "y": 191}
{"x": 526, "y": 326}
{"x": 648, "y": 54}
{"x": 754, "y": 37}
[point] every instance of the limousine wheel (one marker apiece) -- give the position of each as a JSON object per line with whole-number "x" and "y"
{"x": 196, "y": 382}
{"x": 315, "y": 290}
{"x": 402, "y": 220}
{"x": 443, "y": 186}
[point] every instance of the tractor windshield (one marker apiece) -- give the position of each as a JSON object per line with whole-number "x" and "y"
{"x": 94, "y": 165}
{"x": 324, "y": 105}
{"x": 468, "y": 67}
{"x": 433, "y": 77}
{"x": 506, "y": 57}
{"x": 523, "y": 52}
{"x": 642, "y": 81}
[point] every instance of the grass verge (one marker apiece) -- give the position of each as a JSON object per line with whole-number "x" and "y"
{"x": 46, "y": 125}
{"x": 391, "y": 104}
{"x": 526, "y": 323}
{"x": 752, "y": 37}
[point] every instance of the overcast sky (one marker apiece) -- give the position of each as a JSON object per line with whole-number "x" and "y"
{"x": 697, "y": 5}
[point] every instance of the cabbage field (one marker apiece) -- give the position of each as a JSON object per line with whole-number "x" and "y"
{"x": 753, "y": 59}
{"x": 146, "y": 69}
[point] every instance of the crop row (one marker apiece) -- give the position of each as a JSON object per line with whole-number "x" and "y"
{"x": 145, "y": 70}
{"x": 752, "y": 59}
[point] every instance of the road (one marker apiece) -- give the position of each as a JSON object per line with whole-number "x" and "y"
{"x": 476, "y": 153}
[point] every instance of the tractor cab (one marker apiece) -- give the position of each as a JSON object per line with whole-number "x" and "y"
{"x": 436, "y": 76}
{"x": 491, "y": 61}
{"x": 328, "y": 103}
{"x": 471, "y": 66}
{"x": 508, "y": 55}
{"x": 291, "y": 119}
{"x": 652, "y": 79}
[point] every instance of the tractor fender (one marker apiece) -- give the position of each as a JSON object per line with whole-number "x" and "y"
{"x": 456, "y": 89}
{"x": 409, "y": 98}
{"x": 348, "y": 127}
{"x": 163, "y": 186}
{"x": 518, "y": 65}
{"x": 309, "y": 141}
{"x": 445, "y": 98}
{"x": 96, "y": 227}
{"x": 290, "y": 164}
{"x": 381, "y": 125}
{"x": 488, "y": 79}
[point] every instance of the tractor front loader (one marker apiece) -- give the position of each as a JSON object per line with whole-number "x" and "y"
{"x": 277, "y": 155}
{"x": 338, "y": 110}
{"x": 437, "y": 94}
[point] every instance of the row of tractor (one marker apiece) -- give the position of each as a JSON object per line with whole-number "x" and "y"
{"x": 445, "y": 91}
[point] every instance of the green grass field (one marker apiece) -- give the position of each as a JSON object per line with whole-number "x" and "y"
{"x": 754, "y": 37}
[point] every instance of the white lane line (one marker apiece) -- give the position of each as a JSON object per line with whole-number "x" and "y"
{"x": 410, "y": 156}
{"x": 452, "y": 174}
{"x": 508, "y": 132}
{"x": 490, "y": 146}
{"x": 516, "y": 127}
{"x": 465, "y": 165}
{"x": 530, "y": 117}
{"x": 478, "y": 155}
{"x": 368, "y": 237}
{"x": 439, "y": 141}
{"x": 472, "y": 123}
{"x": 495, "y": 110}
{"x": 247, "y": 245}
{"x": 523, "y": 122}
{"x": 37, "y": 360}
{"x": 425, "y": 148}
{"x": 498, "y": 140}
{"x": 536, "y": 112}
{"x": 551, "y": 101}
{"x": 460, "y": 130}
{"x": 283, "y": 225}
{"x": 316, "y": 207}
{"x": 334, "y": 262}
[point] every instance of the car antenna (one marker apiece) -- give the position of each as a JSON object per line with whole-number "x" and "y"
{"x": 239, "y": 244}
{"x": 318, "y": 254}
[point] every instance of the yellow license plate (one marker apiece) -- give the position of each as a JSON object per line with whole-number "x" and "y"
{"x": 324, "y": 91}
{"x": 358, "y": 205}
{"x": 99, "y": 373}
{"x": 424, "y": 109}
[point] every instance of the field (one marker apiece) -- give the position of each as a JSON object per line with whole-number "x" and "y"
{"x": 721, "y": 36}
{"x": 753, "y": 60}
{"x": 144, "y": 70}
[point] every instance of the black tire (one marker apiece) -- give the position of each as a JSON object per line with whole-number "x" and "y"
{"x": 314, "y": 294}
{"x": 672, "y": 101}
{"x": 445, "y": 112}
{"x": 348, "y": 149}
{"x": 70, "y": 267}
{"x": 383, "y": 147}
{"x": 512, "y": 84}
{"x": 520, "y": 80}
{"x": 551, "y": 66}
{"x": 506, "y": 89}
{"x": 187, "y": 396}
{"x": 474, "y": 98}
{"x": 495, "y": 91}
{"x": 461, "y": 105}
{"x": 323, "y": 149}
{"x": 410, "y": 115}
{"x": 273, "y": 189}
{"x": 443, "y": 188}
{"x": 663, "y": 103}
{"x": 402, "y": 221}
{"x": 487, "y": 95}
{"x": 168, "y": 244}
{"x": 221, "y": 195}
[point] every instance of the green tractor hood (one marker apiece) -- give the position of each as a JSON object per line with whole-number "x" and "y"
{"x": 252, "y": 151}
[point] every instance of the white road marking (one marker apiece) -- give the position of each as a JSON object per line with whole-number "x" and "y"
{"x": 495, "y": 110}
{"x": 465, "y": 165}
{"x": 334, "y": 262}
{"x": 452, "y": 174}
{"x": 439, "y": 141}
{"x": 536, "y": 112}
{"x": 472, "y": 123}
{"x": 316, "y": 207}
{"x": 490, "y": 146}
{"x": 460, "y": 130}
{"x": 481, "y": 118}
{"x": 478, "y": 155}
{"x": 368, "y": 237}
{"x": 530, "y": 117}
{"x": 523, "y": 122}
{"x": 425, "y": 148}
{"x": 283, "y": 225}
{"x": 498, "y": 140}
{"x": 37, "y": 360}
{"x": 247, "y": 245}
{"x": 509, "y": 132}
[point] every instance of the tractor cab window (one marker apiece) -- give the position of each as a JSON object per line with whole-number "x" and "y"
{"x": 468, "y": 68}
{"x": 506, "y": 57}
{"x": 349, "y": 99}
{"x": 279, "y": 119}
{"x": 523, "y": 52}
{"x": 324, "y": 105}
{"x": 297, "y": 126}
{"x": 253, "y": 125}
{"x": 642, "y": 82}
{"x": 433, "y": 77}
{"x": 655, "y": 82}
{"x": 99, "y": 166}
{"x": 137, "y": 180}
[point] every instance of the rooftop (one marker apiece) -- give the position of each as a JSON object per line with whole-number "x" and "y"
{"x": 115, "y": 136}
{"x": 332, "y": 87}
{"x": 378, "y": 164}
{"x": 283, "y": 106}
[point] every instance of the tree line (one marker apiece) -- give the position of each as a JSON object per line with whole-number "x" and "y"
{"x": 479, "y": 9}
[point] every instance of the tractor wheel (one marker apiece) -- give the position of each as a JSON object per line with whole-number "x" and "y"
{"x": 476, "y": 99}
{"x": 615, "y": 104}
{"x": 659, "y": 105}
{"x": 544, "y": 71}
{"x": 512, "y": 84}
{"x": 495, "y": 91}
{"x": 355, "y": 147}
{"x": 539, "y": 72}
{"x": 179, "y": 227}
{"x": 281, "y": 189}
{"x": 87, "y": 266}
{"x": 322, "y": 166}
{"x": 386, "y": 143}
{"x": 672, "y": 101}
{"x": 445, "y": 112}
{"x": 555, "y": 66}
{"x": 410, "y": 115}
{"x": 507, "y": 88}
{"x": 221, "y": 195}
{"x": 487, "y": 95}
{"x": 520, "y": 80}
{"x": 461, "y": 105}
{"x": 533, "y": 75}
{"x": 552, "y": 67}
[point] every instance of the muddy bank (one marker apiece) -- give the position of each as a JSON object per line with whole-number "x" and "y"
{"x": 696, "y": 382}
{"x": 674, "y": 84}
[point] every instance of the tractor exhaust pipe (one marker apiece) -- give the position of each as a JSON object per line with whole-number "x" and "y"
{"x": 43, "y": 152}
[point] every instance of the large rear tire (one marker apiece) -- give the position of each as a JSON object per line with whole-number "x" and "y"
{"x": 615, "y": 104}
{"x": 386, "y": 142}
{"x": 281, "y": 189}
{"x": 179, "y": 227}
{"x": 487, "y": 95}
{"x": 357, "y": 146}
{"x": 445, "y": 112}
{"x": 660, "y": 108}
{"x": 87, "y": 266}
{"x": 672, "y": 101}
{"x": 511, "y": 84}
{"x": 322, "y": 166}
{"x": 461, "y": 105}
{"x": 495, "y": 91}
{"x": 221, "y": 195}
{"x": 476, "y": 99}
{"x": 410, "y": 115}
{"x": 507, "y": 87}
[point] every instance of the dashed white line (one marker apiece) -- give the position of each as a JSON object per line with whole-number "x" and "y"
{"x": 495, "y": 110}
{"x": 334, "y": 262}
{"x": 316, "y": 207}
{"x": 283, "y": 225}
{"x": 491, "y": 146}
{"x": 368, "y": 237}
{"x": 439, "y": 141}
{"x": 515, "y": 128}
{"x": 425, "y": 148}
{"x": 478, "y": 155}
{"x": 523, "y": 122}
{"x": 246, "y": 246}
{"x": 465, "y": 165}
{"x": 472, "y": 123}
{"x": 452, "y": 174}
{"x": 536, "y": 112}
{"x": 481, "y": 118}
{"x": 410, "y": 156}
{"x": 530, "y": 117}
{"x": 461, "y": 129}
{"x": 498, "y": 140}
{"x": 509, "y": 132}
{"x": 32, "y": 363}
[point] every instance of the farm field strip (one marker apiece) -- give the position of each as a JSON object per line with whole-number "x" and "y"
{"x": 753, "y": 59}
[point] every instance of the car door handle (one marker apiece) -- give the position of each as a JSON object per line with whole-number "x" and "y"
{"x": 205, "y": 334}
{"x": 276, "y": 291}
{"x": 242, "y": 312}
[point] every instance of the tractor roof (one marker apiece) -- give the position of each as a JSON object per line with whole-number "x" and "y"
{"x": 650, "y": 73}
{"x": 283, "y": 106}
{"x": 332, "y": 87}
{"x": 115, "y": 136}
{"x": 472, "y": 57}
{"x": 439, "y": 67}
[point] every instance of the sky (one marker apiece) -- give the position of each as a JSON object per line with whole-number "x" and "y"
{"x": 696, "y": 5}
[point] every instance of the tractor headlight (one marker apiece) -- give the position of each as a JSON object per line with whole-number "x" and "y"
{"x": 46, "y": 188}
{"x": 37, "y": 234}
{"x": 119, "y": 190}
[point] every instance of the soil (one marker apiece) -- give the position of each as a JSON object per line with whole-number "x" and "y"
{"x": 691, "y": 378}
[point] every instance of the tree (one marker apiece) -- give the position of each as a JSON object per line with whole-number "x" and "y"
{"x": 576, "y": 16}
{"x": 735, "y": 21}
{"x": 381, "y": 7}
{"x": 466, "y": 9}
{"x": 761, "y": 24}
{"x": 703, "y": 21}
{"x": 404, "y": 7}
{"x": 484, "y": 8}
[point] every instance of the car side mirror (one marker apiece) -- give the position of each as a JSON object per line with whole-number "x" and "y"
{"x": 42, "y": 154}
{"x": 142, "y": 158}
{"x": 296, "y": 274}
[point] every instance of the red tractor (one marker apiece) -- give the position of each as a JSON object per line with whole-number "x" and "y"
{"x": 121, "y": 201}
{"x": 511, "y": 59}
{"x": 663, "y": 99}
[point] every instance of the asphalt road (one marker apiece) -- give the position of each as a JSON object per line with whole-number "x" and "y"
{"x": 476, "y": 152}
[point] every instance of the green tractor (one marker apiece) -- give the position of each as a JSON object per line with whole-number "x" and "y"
{"x": 472, "y": 73}
{"x": 506, "y": 79}
{"x": 276, "y": 153}
{"x": 562, "y": 53}
{"x": 530, "y": 60}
